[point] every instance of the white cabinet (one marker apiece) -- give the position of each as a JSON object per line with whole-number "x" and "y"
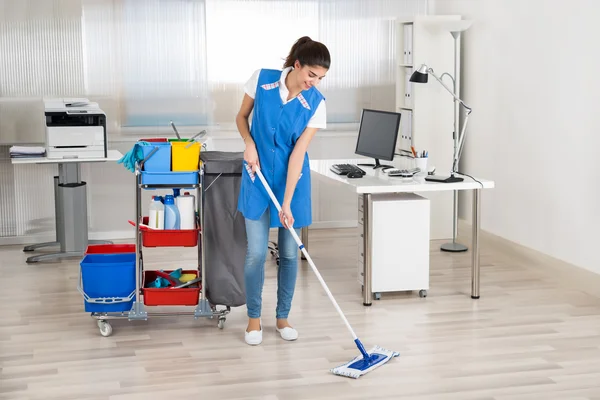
{"x": 427, "y": 109}
{"x": 398, "y": 242}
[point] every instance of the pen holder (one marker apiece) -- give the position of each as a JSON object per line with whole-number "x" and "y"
{"x": 421, "y": 163}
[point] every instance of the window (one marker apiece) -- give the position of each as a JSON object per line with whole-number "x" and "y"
{"x": 244, "y": 36}
{"x": 360, "y": 35}
{"x": 148, "y": 59}
{"x": 152, "y": 61}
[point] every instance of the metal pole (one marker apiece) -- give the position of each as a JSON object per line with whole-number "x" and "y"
{"x": 367, "y": 238}
{"x": 475, "y": 253}
{"x": 138, "y": 310}
{"x": 454, "y": 246}
{"x": 202, "y": 249}
{"x": 203, "y": 309}
{"x": 138, "y": 245}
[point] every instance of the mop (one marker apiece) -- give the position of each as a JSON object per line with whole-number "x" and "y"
{"x": 368, "y": 360}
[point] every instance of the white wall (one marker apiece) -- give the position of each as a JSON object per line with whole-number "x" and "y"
{"x": 531, "y": 73}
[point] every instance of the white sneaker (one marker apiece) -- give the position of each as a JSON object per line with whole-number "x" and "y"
{"x": 253, "y": 338}
{"x": 288, "y": 333}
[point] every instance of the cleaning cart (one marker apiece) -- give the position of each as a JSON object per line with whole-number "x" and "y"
{"x": 219, "y": 237}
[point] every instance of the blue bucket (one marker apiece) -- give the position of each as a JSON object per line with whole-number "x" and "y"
{"x": 170, "y": 178}
{"x": 160, "y": 161}
{"x": 108, "y": 282}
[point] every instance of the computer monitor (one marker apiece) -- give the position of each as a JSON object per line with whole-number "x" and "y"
{"x": 377, "y": 136}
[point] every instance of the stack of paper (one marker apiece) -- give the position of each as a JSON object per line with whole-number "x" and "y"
{"x": 27, "y": 152}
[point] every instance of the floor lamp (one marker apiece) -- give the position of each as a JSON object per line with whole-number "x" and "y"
{"x": 455, "y": 27}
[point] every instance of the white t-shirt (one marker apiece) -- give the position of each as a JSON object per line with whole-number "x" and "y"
{"x": 318, "y": 120}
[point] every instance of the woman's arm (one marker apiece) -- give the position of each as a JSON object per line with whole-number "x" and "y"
{"x": 294, "y": 169}
{"x": 241, "y": 120}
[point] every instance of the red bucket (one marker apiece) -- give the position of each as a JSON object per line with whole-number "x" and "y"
{"x": 110, "y": 248}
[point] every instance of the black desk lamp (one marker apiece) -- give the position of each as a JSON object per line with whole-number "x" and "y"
{"x": 421, "y": 76}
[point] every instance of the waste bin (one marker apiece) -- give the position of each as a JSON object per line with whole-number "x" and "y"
{"x": 224, "y": 228}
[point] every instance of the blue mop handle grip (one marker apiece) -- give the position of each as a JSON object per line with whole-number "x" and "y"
{"x": 361, "y": 348}
{"x": 310, "y": 261}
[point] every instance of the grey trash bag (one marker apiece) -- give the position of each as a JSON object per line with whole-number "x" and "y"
{"x": 224, "y": 229}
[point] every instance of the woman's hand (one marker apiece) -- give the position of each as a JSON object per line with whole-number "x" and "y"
{"x": 251, "y": 155}
{"x": 286, "y": 215}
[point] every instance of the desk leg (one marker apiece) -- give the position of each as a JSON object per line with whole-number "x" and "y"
{"x": 367, "y": 238}
{"x": 475, "y": 254}
{"x": 34, "y": 247}
{"x": 304, "y": 234}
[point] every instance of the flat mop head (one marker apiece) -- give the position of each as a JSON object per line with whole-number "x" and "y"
{"x": 359, "y": 366}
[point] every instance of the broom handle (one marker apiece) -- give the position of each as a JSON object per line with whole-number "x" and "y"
{"x": 310, "y": 262}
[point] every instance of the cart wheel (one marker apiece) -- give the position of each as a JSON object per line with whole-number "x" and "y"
{"x": 422, "y": 293}
{"x": 277, "y": 260}
{"x": 105, "y": 328}
{"x": 221, "y": 323}
{"x": 377, "y": 296}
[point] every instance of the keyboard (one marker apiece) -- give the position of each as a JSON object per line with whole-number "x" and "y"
{"x": 345, "y": 169}
{"x": 407, "y": 173}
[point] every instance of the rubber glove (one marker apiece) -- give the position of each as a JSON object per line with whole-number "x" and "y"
{"x": 136, "y": 154}
{"x": 126, "y": 159}
{"x": 159, "y": 282}
{"x": 177, "y": 273}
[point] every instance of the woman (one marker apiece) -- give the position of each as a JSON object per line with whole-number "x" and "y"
{"x": 288, "y": 110}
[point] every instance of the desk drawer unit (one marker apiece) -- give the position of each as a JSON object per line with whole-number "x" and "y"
{"x": 399, "y": 242}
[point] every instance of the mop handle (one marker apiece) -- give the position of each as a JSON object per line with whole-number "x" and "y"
{"x": 310, "y": 262}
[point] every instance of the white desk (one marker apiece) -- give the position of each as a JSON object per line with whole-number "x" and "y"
{"x": 377, "y": 181}
{"x": 113, "y": 155}
{"x": 70, "y": 205}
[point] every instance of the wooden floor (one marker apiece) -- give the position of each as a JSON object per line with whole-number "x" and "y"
{"x": 534, "y": 334}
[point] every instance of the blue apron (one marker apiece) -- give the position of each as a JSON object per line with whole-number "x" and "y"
{"x": 275, "y": 129}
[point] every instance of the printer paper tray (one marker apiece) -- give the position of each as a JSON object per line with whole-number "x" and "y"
{"x": 87, "y": 152}
{"x": 70, "y": 136}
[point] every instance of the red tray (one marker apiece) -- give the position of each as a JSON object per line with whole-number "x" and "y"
{"x": 110, "y": 248}
{"x": 169, "y": 296}
{"x": 153, "y": 140}
{"x": 169, "y": 237}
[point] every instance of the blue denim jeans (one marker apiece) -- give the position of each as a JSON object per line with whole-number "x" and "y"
{"x": 254, "y": 267}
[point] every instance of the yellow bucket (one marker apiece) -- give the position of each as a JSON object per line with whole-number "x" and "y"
{"x": 183, "y": 159}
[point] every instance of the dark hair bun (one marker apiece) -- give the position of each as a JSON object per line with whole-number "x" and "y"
{"x": 308, "y": 52}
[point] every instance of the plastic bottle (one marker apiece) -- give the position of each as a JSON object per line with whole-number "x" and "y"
{"x": 187, "y": 215}
{"x": 195, "y": 205}
{"x": 156, "y": 214}
{"x": 176, "y": 193}
{"x": 171, "y": 213}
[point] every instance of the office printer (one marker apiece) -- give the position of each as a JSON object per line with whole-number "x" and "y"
{"x": 75, "y": 128}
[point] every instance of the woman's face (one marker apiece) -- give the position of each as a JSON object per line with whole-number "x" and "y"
{"x": 309, "y": 75}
